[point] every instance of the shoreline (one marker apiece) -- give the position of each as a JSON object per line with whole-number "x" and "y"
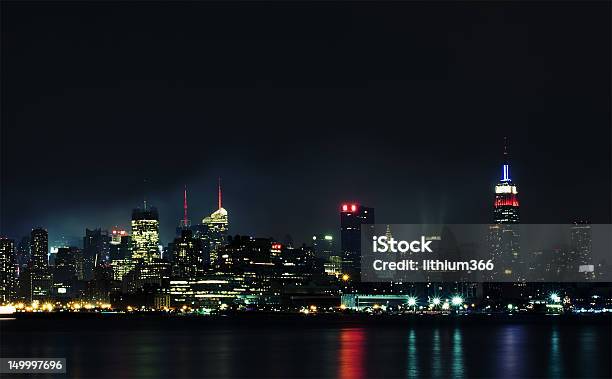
{"x": 63, "y": 320}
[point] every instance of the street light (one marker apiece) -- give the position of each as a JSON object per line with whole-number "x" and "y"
{"x": 555, "y": 298}
{"x": 435, "y": 301}
{"x": 412, "y": 301}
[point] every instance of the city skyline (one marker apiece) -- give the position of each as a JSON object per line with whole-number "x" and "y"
{"x": 169, "y": 232}
{"x": 222, "y": 189}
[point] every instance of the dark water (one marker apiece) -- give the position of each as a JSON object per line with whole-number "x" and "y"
{"x": 146, "y": 347}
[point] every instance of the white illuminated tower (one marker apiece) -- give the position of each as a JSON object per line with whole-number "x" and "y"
{"x": 145, "y": 233}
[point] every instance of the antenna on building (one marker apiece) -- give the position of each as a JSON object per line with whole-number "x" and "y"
{"x": 219, "y": 192}
{"x": 506, "y": 165}
{"x": 185, "y": 206}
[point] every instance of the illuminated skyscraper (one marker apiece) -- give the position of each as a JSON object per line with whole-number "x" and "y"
{"x": 145, "y": 234}
{"x": 40, "y": 249}
{"x": 188, "y": 257}
{"x": 213, "y": 230}
{"x": 506, "y": 207}
{"x": 39, "y": 279}
{"x": 352, "y": 217}
{"x": 504, "y": 233}
{"x": 7, "y": 270}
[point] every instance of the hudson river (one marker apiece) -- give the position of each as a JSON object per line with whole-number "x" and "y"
{"x": 119, "y": 346}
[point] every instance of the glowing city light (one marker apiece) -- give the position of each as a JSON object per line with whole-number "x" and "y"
{"x": 457, "y": 300}
{"x": 345, "y": 277}
{"x": 412, "y": 301}
{"x": 555, "y": 297}
{"x": 436, "y": 301}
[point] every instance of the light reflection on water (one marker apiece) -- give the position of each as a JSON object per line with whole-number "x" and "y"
{"x": 351, "y": 357}
{"x": 413, "y": 359}
{"x": 456, "y": 350}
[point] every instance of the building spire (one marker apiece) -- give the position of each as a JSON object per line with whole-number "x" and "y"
{"x": 506, "y": 165}
{"x": 185, "y": 207}
{"x": 219, "y": 192}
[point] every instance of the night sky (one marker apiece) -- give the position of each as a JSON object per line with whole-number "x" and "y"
{"x": 298, "y": 107}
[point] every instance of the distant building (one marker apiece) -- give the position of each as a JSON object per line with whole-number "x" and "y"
{"x": 8, "y": 274}
{"x": 323, "y": 246}
{"x": 65, "y": 264}
{"x": 120, "y": 246}
{"x": 213, "y": 231}
{"x": 504, "y": 233}
{"x": 188, "y": 257}
{"x": 39, "y": 239}
{"x": 145, "y": 234}
{"x": 95, "y": 250}
{"x": 154, "y": 273}
{"x": 352, "y": 217}
{"x": 23, "y": 253}
{"x": 581, "y": 248}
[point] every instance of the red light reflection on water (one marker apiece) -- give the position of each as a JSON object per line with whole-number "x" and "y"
{"x": 352, "y": 354}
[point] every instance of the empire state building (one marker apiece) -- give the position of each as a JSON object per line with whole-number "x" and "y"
{"x": 504, "y": 233}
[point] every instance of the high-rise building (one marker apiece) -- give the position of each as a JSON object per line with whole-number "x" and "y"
{"x": 95, "y": 250}
{"x": 7, "y": 270}
{"x": 38, "y": 279}
{"x": 188, "y": 257}
{"x": 352, "y": 217}
{"x": 39, "y": 240}
{"x": 23, "y": 253}
{"x": 213, "y": 230}
{"x": 581, "y": 246}
{"x": 145, "y": 234}
{"x": 504, "y": 233}
{"x": 65, "y": 264}
{"x": 120, "y": 246}
{"x": 65, "y": 272}
{"x": 323, "y": 246}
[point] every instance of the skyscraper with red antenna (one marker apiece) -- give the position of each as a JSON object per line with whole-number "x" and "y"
{"x": 214, "y": 228}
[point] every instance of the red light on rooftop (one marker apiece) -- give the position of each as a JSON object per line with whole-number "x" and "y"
{"x": 114, "y": 232}
{"x": 353, "y": 208}
{"x": 344, "y": 207}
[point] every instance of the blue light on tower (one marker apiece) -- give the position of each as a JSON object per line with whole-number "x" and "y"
{"x": 506, "y": 173}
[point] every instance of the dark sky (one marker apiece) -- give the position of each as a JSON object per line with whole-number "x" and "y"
{"x": 300, "y": 106}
